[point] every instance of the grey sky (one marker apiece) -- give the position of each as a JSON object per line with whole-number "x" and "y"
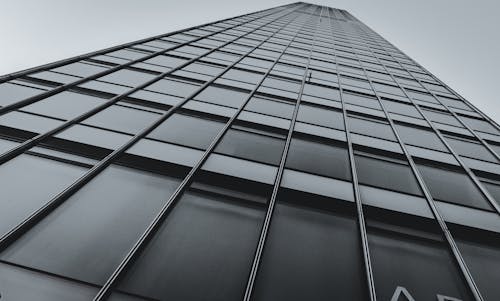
{"x": 456, "y": 40}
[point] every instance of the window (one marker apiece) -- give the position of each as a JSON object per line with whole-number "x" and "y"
{"x": 222, "y": 96}
{"x": 127, "y": 77}
{"x": 361, "y": 100}
{"x": 80, "y": 69}
{"x": 388, "y": 89}
{"x": 122, "y": 119}
{"x": 452, "y": 186}
{"x": 10, "y": 93}
{"x": 28, "y": 183}
{"x": 370, "y": 127}
{"x": 187, "y": 130}
{"x": 320, "y": 116}
{"x": 480, "y": 125}
{"x": 319, "y": 157}
{"x": 252, "y": 144}
{"x": 129, "y": 54}
{"x": 283, "y": 84}
{"x": 493, "y": 188}
{"x": 243, "y": 76}
{"x": 401, "y": 108}
{"x": 421, "y": 96}
{"x": 270, "y": 107}
{"x": 66, "y": 105}
{"x": 89, "y": 234}
{"x": 456, "y": 103}
{"x": 420, "y": 137}
{"x": 389, "y": 174}
{"x": 322, "y": 92}
{"x": 173, "y": 87}
{"x": 481, "y": 252}
{"x": 442, "y": 117}
{"x": 310, "y": 252}
{"x": 200, "y": 245}
{"x": 469, "y": 148}
{"x": 415, "y": 260}
{"x": 166, "y": 60}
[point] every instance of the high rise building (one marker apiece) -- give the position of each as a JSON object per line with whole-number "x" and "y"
{"x": 288, "y": 154}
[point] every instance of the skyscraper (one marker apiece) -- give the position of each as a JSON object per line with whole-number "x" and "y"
{"x": 288, "y": 154}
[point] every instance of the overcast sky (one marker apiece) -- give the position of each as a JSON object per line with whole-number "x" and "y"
{"x": 456, "y": 40}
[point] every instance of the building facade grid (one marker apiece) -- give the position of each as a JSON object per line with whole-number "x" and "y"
{"x": 287, "y": 154}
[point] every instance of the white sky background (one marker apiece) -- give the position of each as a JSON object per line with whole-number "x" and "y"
{"x": 456, "y": 40}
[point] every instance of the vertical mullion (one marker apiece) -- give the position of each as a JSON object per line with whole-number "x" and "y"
{"x": 37, "y": 215}
{"x": 157, "y": 221}
{"x": 33, "y": 141}
{"x": 277, "y": 182}
{"x": 442, "y": 224}
{"x": 63, "y": 62}
{"x": 471, "y": 175}
{"x": 357, "y": 194}
{"x": 64, "y": 87}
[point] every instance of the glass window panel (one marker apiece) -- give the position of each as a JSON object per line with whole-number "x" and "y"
{"x": 421, "y": 96}
{"x": 480, "y": 125}
{"x": 270, "y": 107}
{"x": 420, "y": 137}
{"x": 401, "y": 108}
{"x": 173, "y": 87}
{"x": 319, "y": 157}
{"x": 456, "y": 103}
{"x": 166, "y": 60}
{"x": 310, "y": 253}
{"x": 127, "y": 77}
{"x": 221, "y": 96}
{"x": 89, "y": 234}
{"x": 256, "y": 146}
{"x": 122, "y": 119}
{"x": 282, "y": 84}
{"x": 481, "y": 252}
{"x": 244, "y": 76}
{"x": 388, "y": 89}
{"x": 198, "y": 246}
{"x": 45, "y": 179}
{"x": 80, "y": 69}
{"x": 187, "y": 130}
{"x": 452, "y": 186}
{"x": 470, "y": 149}
{"x": 10, "y": 93}
{"x": 386, "y": 174}
{"x": 442, "y": 117}
{"x": 128, "y": 53}
{"x": 66, "y": 105}
{"x": 493, "y": 189}
{"x": 371, "y": 128}
{"x": 361, "y": 100}
{"x": 322, "y": 92}
{"x": 321, "y": 116}
{"x": 421, "y": 265}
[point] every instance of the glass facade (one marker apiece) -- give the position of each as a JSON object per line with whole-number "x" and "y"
{"x": 287, "y": 154}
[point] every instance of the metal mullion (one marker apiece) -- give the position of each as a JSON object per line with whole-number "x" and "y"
{"x": 55, "y": 201}
{"x": 33, "y": 141}
{"x": 35, "y": 98}
{"x": 157, "y": 221}
{"x": 277, "y": 183}
{"x": 471, "y": 175}
{"x": 77, "y": 58}
{"x": 491, "y": 121}
{"x": 357, "y": 194}
{"x": 442, "y": 224}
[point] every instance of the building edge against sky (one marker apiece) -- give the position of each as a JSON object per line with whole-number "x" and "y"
{"x": 287, "y": 154}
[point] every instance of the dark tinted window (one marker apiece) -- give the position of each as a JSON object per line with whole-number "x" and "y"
{"x": 372, "y": 128}
{"x": 221, "y": 96}
{"x": 480, "y": 125}
{"x": 187, "y": 130}
{"x": 361, "y": 100}
{"x": 452, "y": 186}
{"x": 422, "y": 266}
{"x": 420, "y": 137}
{"x": 173, "y": 87}
{"x": 386, "y": 174}
{"x": 122, "y": 119}
{"x": 65, "y": 105}
{"x": 199, "y": 251}
{"x": 127, "y": 77}
{"x": 275, "y": 108}
{"x": 10, "y": 93}
{"x": 319, "y": 157}
{"x": 470, "y": 149}
{"x": 87, "y": 236}
{"x": 310, "y": 253}
{"x": 320, "y": 116}
{"x": 442, "y": 117}
{"x": 401, "y": 108}
{"x": 28, "y": 182}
